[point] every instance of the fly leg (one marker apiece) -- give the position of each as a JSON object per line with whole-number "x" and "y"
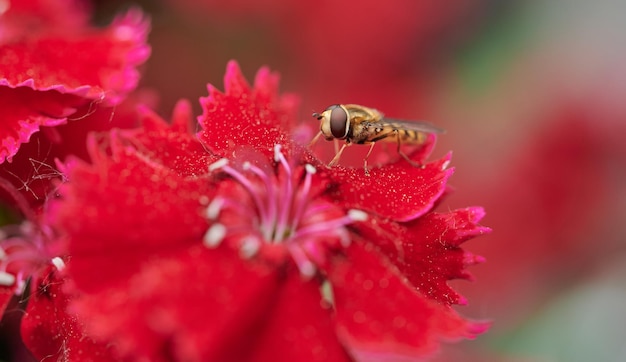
{"x": 314, "y": 140}
{"x": 338, "y": 155}
{"x": 416, "y": 164}
{"x": 367, "y": 172}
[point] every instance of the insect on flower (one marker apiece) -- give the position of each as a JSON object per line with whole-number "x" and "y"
{"x": 365, "y": 126}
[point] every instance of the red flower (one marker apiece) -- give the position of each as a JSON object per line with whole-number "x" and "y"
{"x": 50, "y": 331}
{"x": 244, "y": 246}
{"x": 55, "y": 69}
{"x": 59, "y": 79}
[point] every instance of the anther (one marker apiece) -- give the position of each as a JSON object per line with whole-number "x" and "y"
{"x": 249, "y": 247}
{"x": 214, "y": 236}
{"x": 214, "y": 208}
{"x": 277, "y": 154}
{"x": 307, "y": 269}
{"x": 7, "y": 279}
{"x": 58, "y": 263}
{"x": 357, "y": 215}
{"x": 326, "y": 291}
{"x": 218, "y": 164}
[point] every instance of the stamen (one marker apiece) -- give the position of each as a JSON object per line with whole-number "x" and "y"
{"x": 214, "y": 208}
{"x": 301, "y": 202}
{"x": 315, "y": 253}
{"x": 282, "y": 224}
{"x": 282, "y": 200}
{"x": 324, "y": 227}
{"x": 214, "y": 236}
{"x": 7, "y": 279}
{"x": 271, "y": 203}
{"x": 20, "y": 284}
{"x": 249, "y": 247}
{"x": 218, "y": 164}
{"x": 27, "y": 256}
{"x": 344, "y": 237}
{"x": 58, "y": 263}
{"x": 310, "y": 168}
{"x": 326, "y": 290}
{"x": 307, "y": 269}
{"x": 277, "y": 154}
{"x": 357, "y": 215}
{"x": 263, "y": 214}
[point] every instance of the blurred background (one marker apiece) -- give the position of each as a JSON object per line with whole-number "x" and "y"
{"x": 533, "y": 97}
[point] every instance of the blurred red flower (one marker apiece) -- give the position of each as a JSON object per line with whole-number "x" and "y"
{"x": 187, "y": 248}
{"x": 60, "y": 78}
{"x": 56, "y": 69}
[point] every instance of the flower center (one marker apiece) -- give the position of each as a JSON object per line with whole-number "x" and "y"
{"x": 25, "y": 249}
{"x": 279, "y": 206}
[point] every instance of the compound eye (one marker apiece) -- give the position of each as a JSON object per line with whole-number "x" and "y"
{"x": 338, "y": 122}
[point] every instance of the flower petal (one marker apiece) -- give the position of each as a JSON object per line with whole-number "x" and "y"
{"x": 426, "y": 251}
{"x": 93, "y": 64}
{"x": 6, "y": 293}
{"x": 196, "y": 304}
{"x": 381, "y": 317}
{"x": 300, "y": 326}
{"x": 25, "y": 111}
{"x": 399, "y": 191}
{"x": 244, "y": 116}
{"x": 125, "y": 180}
{"x": 46, "y": 74}
{"x": 50, "y": 332}
{"x": 33, "y": 169}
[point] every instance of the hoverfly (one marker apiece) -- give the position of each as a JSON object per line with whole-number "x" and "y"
{"x": 365, "y": 126}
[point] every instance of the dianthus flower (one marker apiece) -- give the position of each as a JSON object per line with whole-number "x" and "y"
{"x": 239, "y": 244}
{"x": 55, "y": 71}
{"x": 60, "y": 78}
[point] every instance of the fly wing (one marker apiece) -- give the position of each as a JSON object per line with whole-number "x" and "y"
{"x": 416, "y": 126}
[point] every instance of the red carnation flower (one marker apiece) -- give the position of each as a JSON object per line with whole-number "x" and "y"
{"x": 53, "y": 64}
{"x": 240, "y": 244}
{"x": 56, "y": 69}
{"x": 59, "y": 79}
